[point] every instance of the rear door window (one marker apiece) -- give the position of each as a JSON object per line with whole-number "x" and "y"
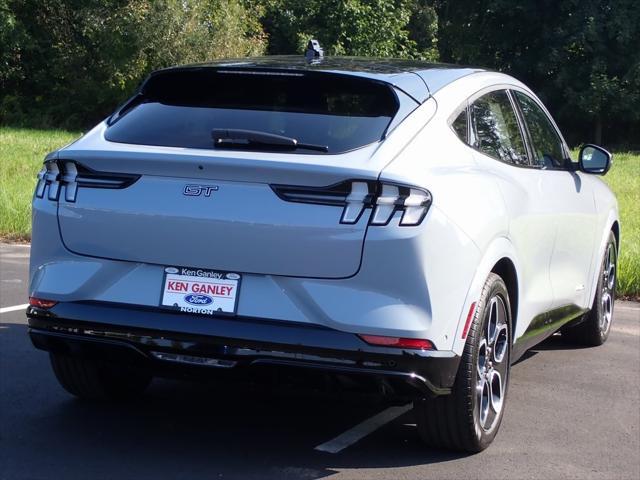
{"x": 181, "y": 108}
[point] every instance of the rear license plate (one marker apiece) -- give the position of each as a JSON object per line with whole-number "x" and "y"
{"x": 196, "y": 290}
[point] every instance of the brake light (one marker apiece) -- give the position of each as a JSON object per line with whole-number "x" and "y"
{"x": 355, "y": 196}
{"x": 41, "y": 303}
{"x": 56, "y": 174}
{"x": 397, "y": 342}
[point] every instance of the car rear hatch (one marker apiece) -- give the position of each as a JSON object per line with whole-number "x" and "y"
{"x": 150, "y": 185}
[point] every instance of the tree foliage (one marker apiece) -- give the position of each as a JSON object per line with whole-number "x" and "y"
{"x": 582, "y": 57}
{"x": 68, "y": 63}
{"x": 377, "y": 28}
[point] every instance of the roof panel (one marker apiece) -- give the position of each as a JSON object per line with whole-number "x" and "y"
{"x": 416, "y": 78}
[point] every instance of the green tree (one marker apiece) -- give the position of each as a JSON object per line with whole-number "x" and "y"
{"x": 423, "y": 29}
{"x": 70, "y": 62}
{"x": 581, "y": 57}
{"x": 378, "y": 28}
{"x": 598, "y": 63}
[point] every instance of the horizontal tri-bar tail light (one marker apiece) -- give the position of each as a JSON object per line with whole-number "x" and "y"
{"x": 71, "y": 175}
{"x": 355, "y": 196}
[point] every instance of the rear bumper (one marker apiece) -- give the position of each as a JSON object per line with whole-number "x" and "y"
{"x": 160, "y": 339}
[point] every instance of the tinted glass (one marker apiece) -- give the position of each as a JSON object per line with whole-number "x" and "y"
{"x": 460, "y": 126}
{"x": 547, "y": 146}
{"x": 495, "y": 129}
{"x": 180, "y": 109}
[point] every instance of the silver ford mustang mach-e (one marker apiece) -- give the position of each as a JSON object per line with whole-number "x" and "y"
{"x": 415, "y": 226}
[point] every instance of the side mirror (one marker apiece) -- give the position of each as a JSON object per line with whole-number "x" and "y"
{"x": 594, "y": 159}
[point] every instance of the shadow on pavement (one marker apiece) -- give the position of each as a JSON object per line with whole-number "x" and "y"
{"x": 185, "y": 430}
{"x": 554, "y": 342}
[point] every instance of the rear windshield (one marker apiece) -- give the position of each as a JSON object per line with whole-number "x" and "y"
{"x": 181, "y": 108}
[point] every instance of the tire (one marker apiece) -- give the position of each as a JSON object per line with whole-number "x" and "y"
{"x": 90, "y": 380}
{"x": 594, "y": 329}
{"x": 457, "y": 421}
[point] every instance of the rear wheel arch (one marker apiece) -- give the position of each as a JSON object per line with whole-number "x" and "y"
{"x": 500, "y": 258}
{"x": 506, "y": 270}
{"x": 615, "y": 228}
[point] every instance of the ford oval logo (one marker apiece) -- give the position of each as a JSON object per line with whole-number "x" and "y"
{"x": 198, "y": 299}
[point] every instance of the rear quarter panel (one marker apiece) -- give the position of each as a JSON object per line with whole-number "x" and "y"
{"x": 467, "y": 193}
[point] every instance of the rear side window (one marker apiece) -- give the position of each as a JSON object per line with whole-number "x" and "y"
{"x": 181, "y": 108}
{"x": 546, "y": 143}
{"x": 495, "y": 129}
{"x": 459, "y": 126}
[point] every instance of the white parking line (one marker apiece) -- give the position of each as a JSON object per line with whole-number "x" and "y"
{"x": 14, "y": 308}
{"x": 363, "y": 429}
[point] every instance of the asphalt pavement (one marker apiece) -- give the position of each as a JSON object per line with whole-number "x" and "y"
{"x": 571, "y": 413}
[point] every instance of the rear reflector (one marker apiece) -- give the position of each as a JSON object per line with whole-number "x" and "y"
{"x": 465, "y": 330}
{"x": 396, "y": 342}
{"x": 41, "y": 303}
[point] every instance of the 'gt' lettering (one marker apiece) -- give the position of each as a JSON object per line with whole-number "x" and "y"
{"x": 197, "y": 190}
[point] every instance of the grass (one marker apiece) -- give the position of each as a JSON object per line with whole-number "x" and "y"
{"x": 22, "y": 152}
{"x": 21, "y": 155}
{"x": 624, "y": 180}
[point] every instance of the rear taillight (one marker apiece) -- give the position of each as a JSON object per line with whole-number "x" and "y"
{"x": 397, "y": 342}
{"x": 355, "y": 196}
{"x": 413, "y": 202}
{"x": 67, "y": 175}
{"x": 41, "y": 303}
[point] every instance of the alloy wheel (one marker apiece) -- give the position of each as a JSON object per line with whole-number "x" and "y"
{"x": 608, "y": 288}
{"x": 492, "y": 364}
